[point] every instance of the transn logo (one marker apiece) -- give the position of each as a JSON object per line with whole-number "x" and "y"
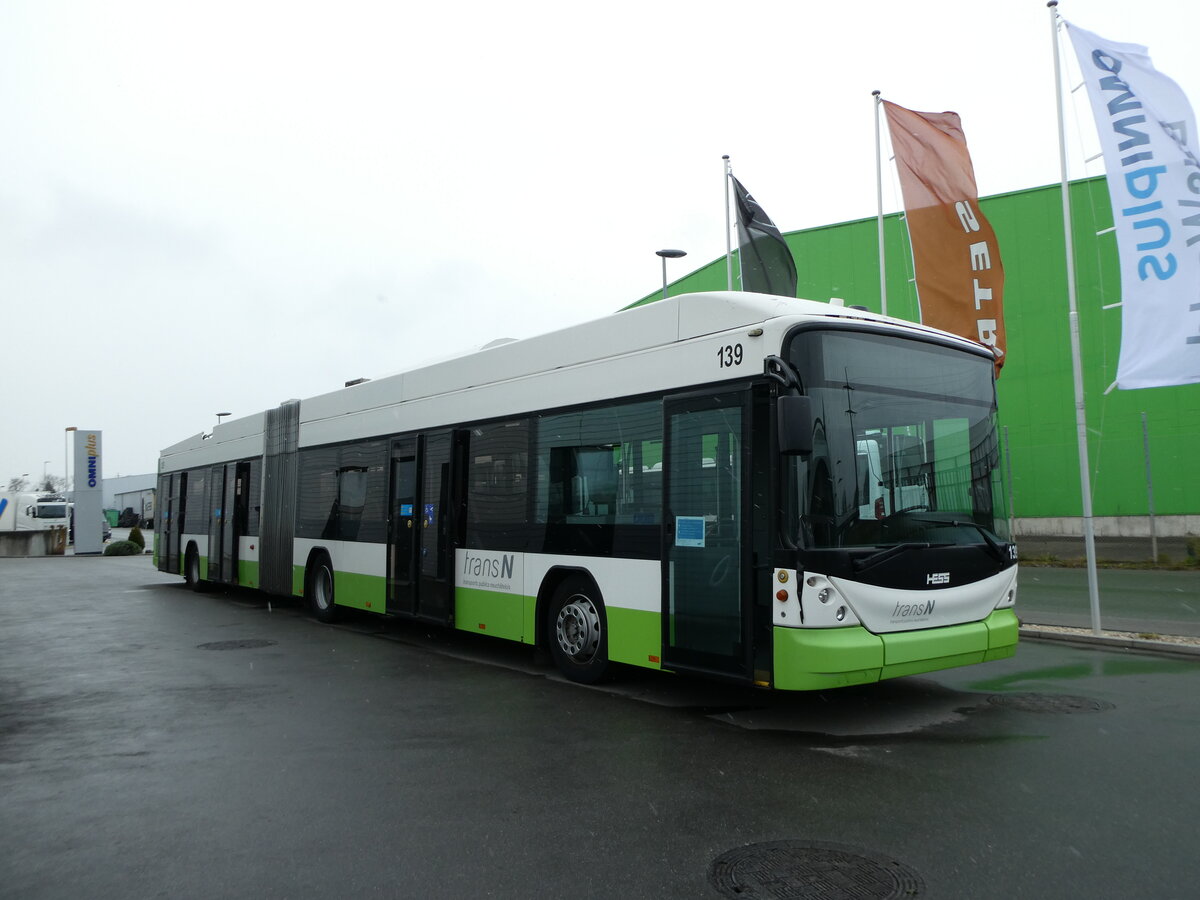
{"x": 937, "y": 578}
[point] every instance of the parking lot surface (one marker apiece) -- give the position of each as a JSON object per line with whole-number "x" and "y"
{"x": 158, "y": 742}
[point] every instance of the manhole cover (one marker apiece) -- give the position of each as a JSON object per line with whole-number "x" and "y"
{"x": 248, "y": 644}
{"x": 811, "y": 870}
{"x": 1050, "y": 703}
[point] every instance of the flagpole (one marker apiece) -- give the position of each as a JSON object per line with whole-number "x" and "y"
{"x": 728, "y": 245}
{"x": 1089, "y": 535}
{"x": 879, "y": 201}
{"x": 741, "y": 250}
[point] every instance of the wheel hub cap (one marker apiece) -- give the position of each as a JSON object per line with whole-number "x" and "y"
{"x": 578, "y": 629}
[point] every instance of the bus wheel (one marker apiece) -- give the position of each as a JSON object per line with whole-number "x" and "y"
{"x": 578, "y": 632}
{"x": 191, "y": 569}
{"x": 319, "y": 589}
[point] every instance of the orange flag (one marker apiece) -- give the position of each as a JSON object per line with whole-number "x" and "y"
{"x": 960, "y": 280}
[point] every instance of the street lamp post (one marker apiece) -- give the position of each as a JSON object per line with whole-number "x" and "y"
{"x": 220, "y": 416}
{"x": 668, "y": 254}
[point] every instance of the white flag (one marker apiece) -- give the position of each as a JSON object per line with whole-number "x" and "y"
{"x": 1148, "y": 135}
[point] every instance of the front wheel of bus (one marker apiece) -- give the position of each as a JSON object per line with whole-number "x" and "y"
{"x": 319, "y": 589}
{"x": 578, "y": 632}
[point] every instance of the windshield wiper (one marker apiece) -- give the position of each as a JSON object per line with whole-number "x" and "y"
{"x": 993, "y": 547}
{"x": 887, "y": 553}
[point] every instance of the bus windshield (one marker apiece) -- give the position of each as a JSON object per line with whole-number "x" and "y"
{"x": 905, "y": 446}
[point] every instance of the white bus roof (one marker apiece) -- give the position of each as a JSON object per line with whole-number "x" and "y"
{"x": 508, "y": 369}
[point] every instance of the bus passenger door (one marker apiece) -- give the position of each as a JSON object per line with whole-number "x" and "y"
{"x": 237, "y": 502}
{"x": 403, "y": 528}
{"x": 442, "y": 473}
{"x": 424, "y": 516}
{"x": 171, "y": 515}
{"x": 216, "y": 522}
{"x": 228, "y": 517}
{"x": 706, "y": 557}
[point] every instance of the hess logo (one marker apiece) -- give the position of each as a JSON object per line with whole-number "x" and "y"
{"x": 937, "y": 578}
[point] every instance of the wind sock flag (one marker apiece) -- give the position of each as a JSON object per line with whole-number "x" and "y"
{"x": 765, "y": 260}
{"x": 960, "y": 279}
{"x": 1148, "y": 136}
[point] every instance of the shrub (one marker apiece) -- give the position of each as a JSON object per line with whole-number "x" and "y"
{"x": 135, "y": 536}
{"x": 123, "y": 548}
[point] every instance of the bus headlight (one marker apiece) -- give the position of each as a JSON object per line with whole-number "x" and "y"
{"x": 825, "y": 606}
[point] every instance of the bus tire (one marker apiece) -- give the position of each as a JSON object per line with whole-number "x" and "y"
{"x": 577, "y": 630}
{"x": 191, "y": 570}
{"x": 318, "y": 588}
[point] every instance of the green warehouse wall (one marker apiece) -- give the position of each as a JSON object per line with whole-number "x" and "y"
{"x": 1036, "y": 392}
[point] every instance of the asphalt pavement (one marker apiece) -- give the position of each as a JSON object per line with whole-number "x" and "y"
{"x": 1153, "y": 601}
{"x": 156, "y": 742}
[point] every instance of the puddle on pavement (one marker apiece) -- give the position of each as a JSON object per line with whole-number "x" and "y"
{"x": 1097, "y": 667}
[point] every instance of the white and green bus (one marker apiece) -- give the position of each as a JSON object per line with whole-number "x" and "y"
{"x": 786, "y": 493}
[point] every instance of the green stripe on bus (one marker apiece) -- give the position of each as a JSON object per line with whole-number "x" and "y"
{"x": 813, "y": 659}
{"x": 248, "y": 573}
{"x": 907, "y": 647}
{"x": 818, "y": 658}
{"x": 1003, "y": 628}
{"x": 635, "y": 637}
{"x": 350, "y": 589}
{"x": 493, "y": 612}
{"x": 921, "y": 666}
{"x": 367, "y": 592}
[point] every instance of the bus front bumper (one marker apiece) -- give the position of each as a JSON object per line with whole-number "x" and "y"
{"x": 809, "y": 659}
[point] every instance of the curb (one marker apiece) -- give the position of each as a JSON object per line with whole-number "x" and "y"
{"x": 1162, "y": 648}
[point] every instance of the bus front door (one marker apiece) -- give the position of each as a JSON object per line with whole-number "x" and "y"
{"x": 424, "y": 501}
{"x": 706, "y": 555}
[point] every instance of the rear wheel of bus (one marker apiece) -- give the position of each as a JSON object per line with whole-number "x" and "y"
{"x": 318, "y": 588}
{"x": 577, "y": 630}
{"x": 191, "y": 570}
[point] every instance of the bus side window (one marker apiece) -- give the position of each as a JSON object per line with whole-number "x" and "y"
{"x": 497, "y": 483}
{"x": 601, "y": 467}
{"x": 583, "y": 483}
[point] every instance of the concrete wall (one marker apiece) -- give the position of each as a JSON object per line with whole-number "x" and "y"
{"x": 1108, "y": 526}
{"x": 33, "y": 543}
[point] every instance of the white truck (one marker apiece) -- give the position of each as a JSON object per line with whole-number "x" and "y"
{"x": 32, "y": 524}
{"x": 27, "y": 511}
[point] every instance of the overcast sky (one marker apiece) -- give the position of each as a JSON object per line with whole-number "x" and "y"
{"x": 210, "y": 207}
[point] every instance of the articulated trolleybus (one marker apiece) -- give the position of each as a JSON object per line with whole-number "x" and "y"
{"x": 787, "y": 493}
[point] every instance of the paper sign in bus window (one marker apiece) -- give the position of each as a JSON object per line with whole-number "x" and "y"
{"x": 689, "y": 531}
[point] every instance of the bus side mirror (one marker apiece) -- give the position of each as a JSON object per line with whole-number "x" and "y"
{"x": 793, "y": 416}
